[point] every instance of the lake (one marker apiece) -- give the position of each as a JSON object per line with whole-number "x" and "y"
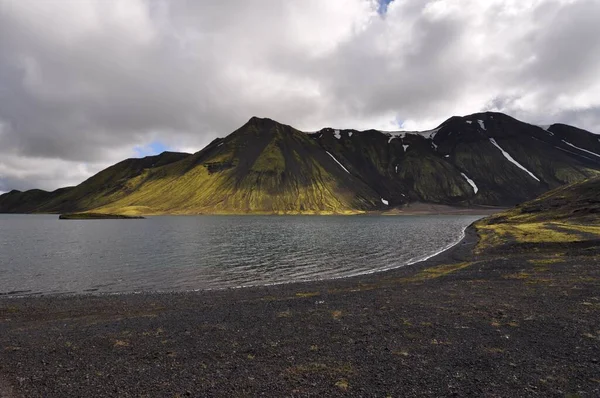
{"x": 40, "y": 254}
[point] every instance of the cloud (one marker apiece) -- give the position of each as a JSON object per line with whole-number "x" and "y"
{"x": 86, "y": 83}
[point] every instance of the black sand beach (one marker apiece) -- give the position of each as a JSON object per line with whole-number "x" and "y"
{"x": 520, "y": 320}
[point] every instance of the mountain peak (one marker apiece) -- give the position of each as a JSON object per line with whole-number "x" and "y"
{"x": 265, "y": 126}
{"x": 261, "y": 121}
{"x": 487, "y": 114}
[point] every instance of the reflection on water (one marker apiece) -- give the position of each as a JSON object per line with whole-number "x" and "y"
{"x": 40, "y": 254}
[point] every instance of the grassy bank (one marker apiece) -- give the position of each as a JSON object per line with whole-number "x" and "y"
{"x": 97, "y": 216}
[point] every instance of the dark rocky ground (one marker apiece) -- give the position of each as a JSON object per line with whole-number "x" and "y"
{"x": 519, "y": 322}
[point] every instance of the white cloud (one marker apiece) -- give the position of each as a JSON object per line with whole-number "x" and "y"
{"x": 84, "y": 82}
{"x": 48, "y": 173}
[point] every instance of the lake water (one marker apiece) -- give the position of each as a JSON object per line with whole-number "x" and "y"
{"x": 40, "y": 254}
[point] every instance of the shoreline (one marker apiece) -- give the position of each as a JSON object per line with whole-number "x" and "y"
{"x": 459, "y": 323}
{"x": 415, "y": 209}
{"x": 410, "y": 262}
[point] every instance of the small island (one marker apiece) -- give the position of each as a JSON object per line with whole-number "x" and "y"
{"x": 97, "y": 216}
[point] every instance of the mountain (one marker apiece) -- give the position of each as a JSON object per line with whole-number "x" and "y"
{"x": 486, "y": 159}
{"x": 263, "y": 167}
{"x": 98, "y": 190}
{"x": 562, "y": 222}
{"x": 267, "y": 167}
{"x": 576, "y": 203}
{"x": 29, "y": 201}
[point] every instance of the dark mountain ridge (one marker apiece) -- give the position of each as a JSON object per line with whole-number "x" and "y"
{"x": 433, "y": 166}
{"x": 266, "y": 167}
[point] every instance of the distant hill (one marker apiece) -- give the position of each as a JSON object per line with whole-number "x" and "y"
{"x": 576, "y": 203}
{"x": 103, "y": 188}
{"x": 562, "y": 222}
{"x": 266, "y": 167}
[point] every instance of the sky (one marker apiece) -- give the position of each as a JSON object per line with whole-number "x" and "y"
{"x": 87, "y": 83}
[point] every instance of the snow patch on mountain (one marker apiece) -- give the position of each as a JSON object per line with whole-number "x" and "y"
{"x": 512, "y": 160}
{"x": 471, "y": 182}
{"x": 395, "y": 134}
{"x": 581, "y": 149}
{"x": 545, "y": 127}
{"x": 427, "y": 134}
{"x": 337, "y": 161}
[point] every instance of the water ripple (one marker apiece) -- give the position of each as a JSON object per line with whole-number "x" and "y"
{"x": 41, "y": 254}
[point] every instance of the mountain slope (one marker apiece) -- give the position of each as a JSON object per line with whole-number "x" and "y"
{"x": 29, "y": 201}
{"x": 100, "y": 189}
{"x": 267, "y": 167}
{"x": 564, "y": 221}
{"x": 263, "y": 167}
{"x": 487, "y": 159}
{"x": 578, "y": 202}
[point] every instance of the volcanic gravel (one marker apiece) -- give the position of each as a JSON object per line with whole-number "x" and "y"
{"x": 518, "y": 322}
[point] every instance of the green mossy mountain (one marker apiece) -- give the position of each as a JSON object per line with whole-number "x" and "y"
{"x": 100, "y": 189}
{"x": 576, "y": 203}
{"x": 564, "y": 221}
{"x": 266, "y": 167}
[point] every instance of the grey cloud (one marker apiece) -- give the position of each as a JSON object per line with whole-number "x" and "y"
{"x": 81, "y": 86}
{"x": 564, "y": 53}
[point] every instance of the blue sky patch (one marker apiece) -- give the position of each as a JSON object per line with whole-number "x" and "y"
{"x": 399, "y": 122}
{"x": 383, "y": 6}
{"x": 153, "y": 148}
